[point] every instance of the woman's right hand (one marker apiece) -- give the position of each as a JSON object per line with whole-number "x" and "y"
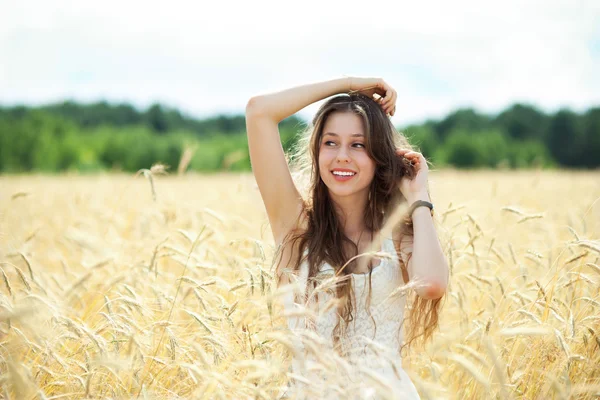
{"x": 371, "y": 86}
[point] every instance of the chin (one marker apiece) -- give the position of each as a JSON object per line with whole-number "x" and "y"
{"x": 342, "y": 192}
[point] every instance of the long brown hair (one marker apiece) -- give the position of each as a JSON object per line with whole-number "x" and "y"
{"x": 323, "y": 239}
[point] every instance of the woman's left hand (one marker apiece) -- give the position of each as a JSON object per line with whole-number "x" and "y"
{"x": 414, "y": 189}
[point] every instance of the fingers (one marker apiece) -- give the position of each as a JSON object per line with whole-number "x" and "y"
{"x": 388, "y": 102}
{"x": 386, "y": 96}
{"x": 392, "y": 109}
{"x": 414, "y": 157}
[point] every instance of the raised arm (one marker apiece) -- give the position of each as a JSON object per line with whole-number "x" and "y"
{"x": 428, "y": 266}
{"x": 263, "y": 114}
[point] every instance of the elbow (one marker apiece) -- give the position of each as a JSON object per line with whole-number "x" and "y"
{"x": 254, "y": 107}
{"x": 262, "y": 107}
{"x": 432, "y": 289}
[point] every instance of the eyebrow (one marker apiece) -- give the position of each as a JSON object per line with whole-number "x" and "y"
{"x": 336, "y": 135}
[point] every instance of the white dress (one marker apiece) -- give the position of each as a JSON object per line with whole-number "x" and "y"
{"x": 372, "y": 366}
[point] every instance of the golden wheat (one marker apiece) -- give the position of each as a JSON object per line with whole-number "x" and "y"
{"x": 163, "y": 288}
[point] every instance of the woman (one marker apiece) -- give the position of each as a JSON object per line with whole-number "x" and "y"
{"x": 361, "y": 172}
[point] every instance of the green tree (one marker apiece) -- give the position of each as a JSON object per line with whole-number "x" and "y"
{"x": 460, "y": 150}
{"x": 157, "y": 119}
{"x": 523, "y": 122}
{"x": 566, "y": 139}
{"x": 465, "y": 119}
{"x": 529, "y": 153}
{"x": 480, "y": 149}
{"x": 590, "y": 156}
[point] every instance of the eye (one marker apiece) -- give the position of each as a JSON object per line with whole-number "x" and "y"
{"x": 326, "y": 143}
{"x": 359, "y": 144}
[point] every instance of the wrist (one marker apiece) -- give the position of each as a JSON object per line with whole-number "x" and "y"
{"x": 423, "y": 195}
{"x": 420, "y": 210}
{"x": 349, "y": 81}
{"x": 418, "y": 206}
{"x": 344, "y": 84}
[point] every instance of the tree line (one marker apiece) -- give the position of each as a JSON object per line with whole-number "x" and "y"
{"x": 103, "y": 136}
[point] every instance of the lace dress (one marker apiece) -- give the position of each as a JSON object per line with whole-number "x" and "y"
{"x": 371, "y": 367}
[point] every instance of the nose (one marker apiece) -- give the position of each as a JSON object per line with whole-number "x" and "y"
{"x": 342, "y": 156}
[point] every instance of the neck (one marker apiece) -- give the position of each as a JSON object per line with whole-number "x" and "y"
{"x": 350, "y": 211}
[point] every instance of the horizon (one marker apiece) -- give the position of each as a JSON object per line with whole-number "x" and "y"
{"x": 300, "y": 115}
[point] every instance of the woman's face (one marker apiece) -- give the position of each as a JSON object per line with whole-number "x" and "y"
{"x": 344, "y": 164}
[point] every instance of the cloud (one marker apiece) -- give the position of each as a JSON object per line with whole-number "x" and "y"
{"x": 212, "y": 58}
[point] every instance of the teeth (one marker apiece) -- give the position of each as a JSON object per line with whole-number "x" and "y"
{"x": 340, "y": 173}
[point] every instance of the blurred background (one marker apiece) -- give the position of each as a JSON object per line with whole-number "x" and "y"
{"x": 119, "y": 86}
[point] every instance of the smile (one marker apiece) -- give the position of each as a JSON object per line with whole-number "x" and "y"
{"x": 343, "y": 175}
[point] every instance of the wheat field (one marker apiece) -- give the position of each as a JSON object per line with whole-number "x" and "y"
{"x": 147, "y": 286}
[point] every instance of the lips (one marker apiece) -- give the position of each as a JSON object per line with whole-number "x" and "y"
{"x": 343, "y": 170}
{"x": 343, "y": 174}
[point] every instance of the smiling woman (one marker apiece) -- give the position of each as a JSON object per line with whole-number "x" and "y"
{"x": 361, "y": 171}
{"x": 342, "y": 149}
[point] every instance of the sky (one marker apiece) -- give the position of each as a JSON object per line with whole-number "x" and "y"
{"x": 210, "y": 57}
